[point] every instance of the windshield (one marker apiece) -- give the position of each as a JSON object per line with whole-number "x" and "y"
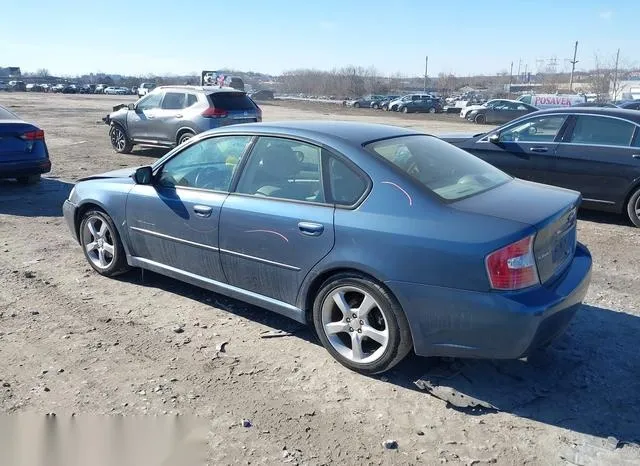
{"x": 443, "y": 169}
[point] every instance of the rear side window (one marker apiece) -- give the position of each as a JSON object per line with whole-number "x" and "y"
{"x": 443, "y": 169}
{"x": 602, "y": 131}
{"x": 231, "y": 101}
{"x": 173, "y": 101}
{"x": 191, "y": 99}
{"x": 6, "y": 114}
{"x": 347, "y": 186}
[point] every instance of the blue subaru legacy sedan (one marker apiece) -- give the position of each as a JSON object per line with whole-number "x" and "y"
{"x": 382, "y": 238}
{"x": 23, "y": 150}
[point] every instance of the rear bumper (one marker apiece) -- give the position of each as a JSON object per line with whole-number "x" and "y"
{"x": 24, "y": 168}
{"x": 459, "y": 323}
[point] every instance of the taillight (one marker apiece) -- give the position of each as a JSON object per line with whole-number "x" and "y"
{"x": 513, "y": 267}
{"x": 36, "y": 135}
{"x": 211, "y": 112}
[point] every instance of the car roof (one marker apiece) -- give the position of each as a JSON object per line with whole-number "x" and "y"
{"x": 355, "y": 133}
{"x": 211, "y": 89}
{"x": 632, "y": 115}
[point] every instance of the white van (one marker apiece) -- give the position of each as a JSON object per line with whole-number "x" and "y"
{"x": 543, "y": 101}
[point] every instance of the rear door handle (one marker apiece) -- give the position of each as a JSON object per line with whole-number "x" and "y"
{"x": 202, "y": 210}
{"x": 636, "y": 156}
{"x": 311, "y": 229}
{"x": 539, "y": 149}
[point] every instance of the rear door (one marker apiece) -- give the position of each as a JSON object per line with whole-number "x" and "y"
{"x": 233, "y": 108}
{"x": 525, "y": 149}
{"x": 600, "y": 157}
{"x": 278, "y": 224}
{"x": 140, "y": 120}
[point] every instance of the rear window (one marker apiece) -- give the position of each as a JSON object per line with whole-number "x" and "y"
{"x": 6, "y": 114}
{"x": 443, "y": 169}
{"x": 231, "y": 101}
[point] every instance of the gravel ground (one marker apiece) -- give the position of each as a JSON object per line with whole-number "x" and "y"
{"x": 74, "y": 342}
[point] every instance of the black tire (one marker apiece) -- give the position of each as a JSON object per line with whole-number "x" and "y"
{"x": 404, "y": 109}
{"x": 356, "y": 105}
{"x": 399, "y": 335}
{"x": 29, "y": 179}
{"x": 120, "y": 140}
{"x": 376, "y": 106}
{"x": 480, "y": 119}
{"x": 184, "y": 137}
{"x": 118, "y": 264}
{"x": 633, "y": 208}
{"x": 432, "y": 110}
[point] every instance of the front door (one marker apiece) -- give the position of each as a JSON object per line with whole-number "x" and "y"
{"x": 525, "y": 150}
{"x": 174, "y": 221}
{"x": 277, "y": 225}
{"x": 140, "y": 121}
{"x": 600, "y": 158}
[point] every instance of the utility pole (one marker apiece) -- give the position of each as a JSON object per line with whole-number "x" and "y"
{"x": 615, "y": 78}
{"x": 519, "y": 63}
{"x": 573, "y": 66}
{"x": 426, "y": 69}
{"x": 510, "y": 80}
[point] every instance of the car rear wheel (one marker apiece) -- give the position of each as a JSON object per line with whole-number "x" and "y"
{"x": 432, "y": 110}
{"x": 376, "y": 106}
{"x": 101, "y": 244}
{"x": 361, "y": 324}
{"x": 480, "y": 119}
{"x": 405, "y": 110}
{"x": 356, "y": 105}
{"x": 30, "y": 179}
{"x": 119, "y": 140}
{"x": 633, "y": 208}
{"x": 184, "y": 137}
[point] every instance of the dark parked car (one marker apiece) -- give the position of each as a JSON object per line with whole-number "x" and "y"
{"x": 631, "y": 105}
{"x": 360, "y": 230}
{"x": 17, "y": 86}
{"x": 596, "y": 104}
{"x": 70, "y": 89}
{"x": 382, "y": 101}
{"x": 263, "y": 94}
{"x": 424, "y": 105}
{"x": 87, "y": 89}
{"x": 23, "y": 150}
{"x": 503, "y": 112}
{"x": 171, "y": 115}
{"x": 364, "y": 101}
{"x": 592, "y": 150}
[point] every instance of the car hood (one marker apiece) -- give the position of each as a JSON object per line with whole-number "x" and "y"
{"x": 520, "y": 201}
{"x": 458, "y": 137}
{"x": 121, "y": 173}
{"x": 471, "y": 108}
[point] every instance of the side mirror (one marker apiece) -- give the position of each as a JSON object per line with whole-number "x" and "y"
{"x": 494, "y": 138}
{"x": 131, "y": 106}
{"x": 143, "y": 175}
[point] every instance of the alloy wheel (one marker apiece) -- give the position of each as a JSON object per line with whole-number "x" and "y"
{"x": 118, "y": 139}
{"x": 355, "y": 324}
{"x": 98, "y": 241}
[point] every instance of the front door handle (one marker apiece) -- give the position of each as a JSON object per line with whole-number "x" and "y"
{"x": 539, "y": 149}
{"x": 636, "y": 156}
{"x": 311, "y": 229}
{"x": 179, "y": 115}
{"x": 202, "y": 210}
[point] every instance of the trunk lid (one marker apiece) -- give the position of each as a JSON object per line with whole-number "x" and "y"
{"x": 550, "y": 210}
{"x": 12, "y": 146}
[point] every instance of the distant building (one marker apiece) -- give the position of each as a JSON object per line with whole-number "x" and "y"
{"x": 10, "y": 72}
{"x": 625, "y": 90}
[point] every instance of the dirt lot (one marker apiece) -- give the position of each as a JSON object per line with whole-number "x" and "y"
{"x": 72, "y": 341}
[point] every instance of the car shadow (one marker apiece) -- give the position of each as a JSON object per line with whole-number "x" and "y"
{"x": 588, "y": 381}
{"x": 609, "y": 218}
{"x": 154, "y": 152}
{"x": 43, "y": 199}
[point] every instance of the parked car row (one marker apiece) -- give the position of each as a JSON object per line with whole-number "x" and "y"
{"x": 410, "y": 103}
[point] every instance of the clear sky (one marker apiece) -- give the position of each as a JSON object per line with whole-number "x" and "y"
{"x": 459, "y": 36}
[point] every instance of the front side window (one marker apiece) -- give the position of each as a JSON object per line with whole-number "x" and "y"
{"x": 150, "y": 102}
{"x": 539, "y": 129}
{"x": 207, "y": 164}
{"x": 284, "y": 169}
{"x": 174, "y": 101}
{"x": 602, "y": 131}
{"x": 443, "y": 169}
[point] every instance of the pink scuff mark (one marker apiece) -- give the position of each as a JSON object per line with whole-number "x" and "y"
{"x": 405, "y": 193}
{"x": 269, "y": 231}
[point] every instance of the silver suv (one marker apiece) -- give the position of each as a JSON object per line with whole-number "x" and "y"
{"x": 170, "y": 115}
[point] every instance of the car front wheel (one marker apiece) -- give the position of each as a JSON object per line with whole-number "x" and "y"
{"x": 633, "y": 208}
{"x": 119, "y": 140}
{"x": 361, "y": 324}
{"x": 480, "y": 119}
{"x": 101, "y": 244}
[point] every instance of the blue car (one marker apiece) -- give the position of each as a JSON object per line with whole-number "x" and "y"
{"x": 23, "y": 151}
{"x": 382, "y": 238}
